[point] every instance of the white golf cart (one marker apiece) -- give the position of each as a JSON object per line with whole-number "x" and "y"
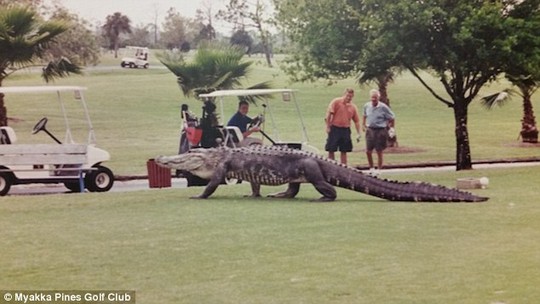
{"x": 139, "y": 60}
{"x": 194, "y": 134}
{"x": 76, "y": 165}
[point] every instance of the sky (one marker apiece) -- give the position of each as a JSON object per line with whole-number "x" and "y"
{"x": 140, "y": 12}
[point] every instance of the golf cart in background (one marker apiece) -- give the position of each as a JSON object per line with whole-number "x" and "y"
{"x": 211, "y": 130}
{"x": 138, "y": 58}
{"x": 78, "y": 165}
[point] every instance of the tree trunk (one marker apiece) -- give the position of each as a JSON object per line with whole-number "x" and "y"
{"x": 266, "y": 48}
{"x": 3, "y": 111}
{"x": 529, "y": 132}
{"x": 383, "y": 90}
{"x": 116, "y": 43}
{"x": 463, "y": 149}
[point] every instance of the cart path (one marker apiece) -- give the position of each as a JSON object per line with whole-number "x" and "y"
{"x": 119, "y": 186}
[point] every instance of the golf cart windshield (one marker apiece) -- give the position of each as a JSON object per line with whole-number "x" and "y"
{"x": 38, "y": 105}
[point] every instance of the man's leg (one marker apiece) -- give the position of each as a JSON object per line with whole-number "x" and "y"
{"x": 380, "y": 159}
{"x": 344, "y": 158}
{"x": 369, "y": 154}
{"x": 331, "y": 155}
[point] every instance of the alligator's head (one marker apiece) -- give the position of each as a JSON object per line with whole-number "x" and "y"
{"x": 200, "y": 162}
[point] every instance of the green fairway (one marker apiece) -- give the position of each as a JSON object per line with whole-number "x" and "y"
{"x": 230, "y": 249}
{"x": 136, "y": 115}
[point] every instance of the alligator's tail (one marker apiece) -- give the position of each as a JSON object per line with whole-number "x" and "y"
{"x": 400, "y": 191}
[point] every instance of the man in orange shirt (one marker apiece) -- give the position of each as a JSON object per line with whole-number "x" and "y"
{"x": 338, "y": 125}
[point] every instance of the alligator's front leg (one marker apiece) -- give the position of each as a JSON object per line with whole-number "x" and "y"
{"x": 291, "y": 191}
{"x": 219, "y": 176}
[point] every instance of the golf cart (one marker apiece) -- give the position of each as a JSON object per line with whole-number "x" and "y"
{"x": 76, "y": 165}
{"x": 209, "y": 131}
{"x": 140, "y": 59}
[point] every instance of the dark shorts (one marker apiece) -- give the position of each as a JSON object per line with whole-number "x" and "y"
{"x": 339, "y": 139}
{"x": 376, "y": 139}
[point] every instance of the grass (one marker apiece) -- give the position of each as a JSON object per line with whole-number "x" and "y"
{"x": 231, "y": 249}
{"x": 136, "y": 115}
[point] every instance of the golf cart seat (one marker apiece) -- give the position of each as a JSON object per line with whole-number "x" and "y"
{"x": 7, "y": 136}
{"x": 232, "y": 136}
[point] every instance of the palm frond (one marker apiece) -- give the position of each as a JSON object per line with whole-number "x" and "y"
{"x": 60, "y": 68}
{"x": 259, "y": 86}
{"x": 497, "y": 99}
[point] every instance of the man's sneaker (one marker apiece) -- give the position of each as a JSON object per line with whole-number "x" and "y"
{"x": 373, "y": 172}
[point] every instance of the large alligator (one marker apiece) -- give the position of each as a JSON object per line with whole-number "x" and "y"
{"x": 276, "y": 165}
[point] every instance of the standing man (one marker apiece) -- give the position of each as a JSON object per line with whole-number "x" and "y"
{"x": 338, "y": 125}
{"x": 377, "y": 118}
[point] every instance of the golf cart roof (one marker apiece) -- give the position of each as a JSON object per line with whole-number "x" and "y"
{"x": 131, "y": 47}
{"x": 40, "y": 89}
{"x": 223, "y": 93}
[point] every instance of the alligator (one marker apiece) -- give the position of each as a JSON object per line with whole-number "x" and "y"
{"x": 278, "y": 165}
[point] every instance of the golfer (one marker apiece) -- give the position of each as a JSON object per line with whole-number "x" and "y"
{"x": 376, "y": 120}
{"x": 338, "y": 125}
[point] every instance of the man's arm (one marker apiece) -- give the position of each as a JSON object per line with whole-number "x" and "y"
{"x": 329, "y": 116}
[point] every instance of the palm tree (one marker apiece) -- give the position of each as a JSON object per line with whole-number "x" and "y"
{"x": 214, "y": 67}
{"x": 24, "y": 40}
{"x": 527, "y": 86}
{"x": 115, "y": 25}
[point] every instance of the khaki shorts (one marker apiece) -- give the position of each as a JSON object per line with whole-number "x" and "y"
{"x": 376, "y": 139}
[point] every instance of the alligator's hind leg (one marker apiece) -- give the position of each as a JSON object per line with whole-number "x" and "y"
{"x": 255, "y": 190}
{"x": 314, "y": 175}
{"x": 291, "y": 191}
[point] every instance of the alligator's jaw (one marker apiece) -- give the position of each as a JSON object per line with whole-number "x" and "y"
{"x": 199, "y": 164}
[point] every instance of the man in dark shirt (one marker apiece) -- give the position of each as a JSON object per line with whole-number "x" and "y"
{"x": 241, "y": 120}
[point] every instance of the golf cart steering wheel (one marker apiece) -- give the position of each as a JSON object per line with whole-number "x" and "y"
{"x": 40, "y": 125}
{"x": 256, "y": 122}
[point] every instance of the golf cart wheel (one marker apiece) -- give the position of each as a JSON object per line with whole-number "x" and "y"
{"x": 5, "y": 183}
{"x": 100, "y": 180}
{"x": 132, "y": 65}
{"x": 146, "y": 66}
{"x": 123, "y": 64}
{"x": 73, "y": 186}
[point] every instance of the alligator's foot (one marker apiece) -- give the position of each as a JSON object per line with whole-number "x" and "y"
{"x": 253, "y": 195}
{"x": 281, "y": 195}
{"x": 199, "y": 197}
{"x": 291, "y": 192}
{"x": 324, "y": 199}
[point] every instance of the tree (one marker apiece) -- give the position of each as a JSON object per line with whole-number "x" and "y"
{"x": 524, "y": 72}
{"x": 140, "y": 35}
{"x": 24, "y": 41}
{"x": 245, "y": 14}
{"x": 327, "y": 39}
{"x": 242, "y": 39}
{"x": 466, "y": 44}
{"x": 115, "y": 25}
{"x": 207, "y": 31}
{"x": 78, "y": 43}
{"x": 174, "y": 30}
